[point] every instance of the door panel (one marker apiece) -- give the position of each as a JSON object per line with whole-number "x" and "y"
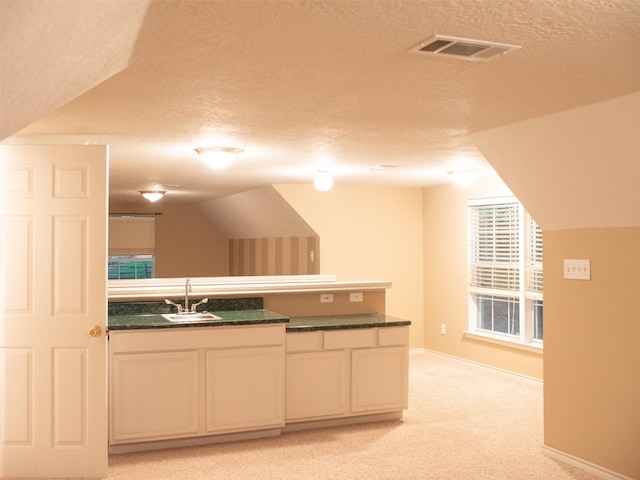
{"x": 16, "y": 369}
{"x": 69, "y": 396}
{"x": 53, "y": 217}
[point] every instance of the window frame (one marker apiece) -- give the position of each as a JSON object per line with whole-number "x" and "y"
{"x": 133, "y": 258}
{"x": 529, "y": 273}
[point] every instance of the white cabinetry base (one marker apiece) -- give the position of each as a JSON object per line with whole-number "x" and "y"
{"x": 193, "y": 441}
{"x": 337, "y": 422}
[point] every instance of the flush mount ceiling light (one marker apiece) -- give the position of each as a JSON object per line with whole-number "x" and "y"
{"x": 464, "y": 176}
{"x": 463, "y": 48}
{"x": 218, "y": 157}
{"x": 323, "y": 181}
{"x": 152, "y": 195}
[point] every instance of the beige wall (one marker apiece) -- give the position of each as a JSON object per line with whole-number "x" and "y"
{"x": 445, "y": 279}
{"x": 592, "y": 348}
{"x": 577, "y": 173}
{"x": 308, "y": 304}
{"x": 370, "y": 233}
{"x": 274, "y": 256}
{"x": 187, "y": 245}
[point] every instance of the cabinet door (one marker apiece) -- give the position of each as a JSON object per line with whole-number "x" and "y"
{"x": 244, "y": 389}
{"x": 379, "y": 379}
{"x": 155, "y": 395}
{"x": 317, "y": 384}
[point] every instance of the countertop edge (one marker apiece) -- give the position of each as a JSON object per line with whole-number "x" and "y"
{"x": 315, "y": 328}
{"x": 214, "y": 324}
{"x": 163, "y": 288}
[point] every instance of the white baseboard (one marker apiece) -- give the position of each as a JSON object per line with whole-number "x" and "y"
{"x": 417, "y": 351}
{"x": 589, "y": 467}
{"x": 491, "y": 367}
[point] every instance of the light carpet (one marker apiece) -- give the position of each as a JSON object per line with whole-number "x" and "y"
{"x": 464, "y": 421}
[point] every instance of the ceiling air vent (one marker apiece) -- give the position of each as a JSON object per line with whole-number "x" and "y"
{"x": 464, "y": 48}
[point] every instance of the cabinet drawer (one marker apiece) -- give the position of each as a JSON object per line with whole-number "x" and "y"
{"x": 199, "y": 337}
{"x": 304, "y": 342}
{"x": 357, "y": 338}
{"x": 389, "y": 336}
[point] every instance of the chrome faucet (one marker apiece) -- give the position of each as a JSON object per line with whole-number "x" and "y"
{"x": 185, "y": 310}
{"x": 187, "y": 289}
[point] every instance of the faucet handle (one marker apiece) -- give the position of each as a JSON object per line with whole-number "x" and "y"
{"x": 177, "y": 305}
{"x": 193, "y": 307}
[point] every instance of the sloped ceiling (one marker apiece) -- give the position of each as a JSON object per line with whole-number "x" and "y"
{"x": 52, "y": 52}
{"x": 576, "y": 169}
{"x": 257, "y": 213}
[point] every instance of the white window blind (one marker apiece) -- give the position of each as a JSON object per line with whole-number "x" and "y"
{"x": 534, "y": 259}
{"x": 493, "y": 255}
{"x": 131, "y": 235}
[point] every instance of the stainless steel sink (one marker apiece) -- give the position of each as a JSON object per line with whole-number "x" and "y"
{"x": 191, "y": 317}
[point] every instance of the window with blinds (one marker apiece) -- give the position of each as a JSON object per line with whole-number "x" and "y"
{"x": 494, "y": 265}
{"x": 131, "y": 246}
{"x": 505, "y": 269}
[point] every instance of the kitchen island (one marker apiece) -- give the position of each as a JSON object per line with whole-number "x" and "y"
{"x": 251, "y": 374}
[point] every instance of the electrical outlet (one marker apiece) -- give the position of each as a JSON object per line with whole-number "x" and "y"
{"x": 326, "y": 297}
{"x": 355, "y": 297}
{"x": 443, "y": 329}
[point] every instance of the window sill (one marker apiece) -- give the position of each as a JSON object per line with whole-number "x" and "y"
{"x": 505, "y": 342}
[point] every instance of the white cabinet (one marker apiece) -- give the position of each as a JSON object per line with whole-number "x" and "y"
{"x": 379, "y": 379}
{"x": 190, "y": 382}
{"x": 244, "y": 389}
{"x": 156, "y": 395}
{"x": 317, "y": 384}
{"x": 346, "y": 373}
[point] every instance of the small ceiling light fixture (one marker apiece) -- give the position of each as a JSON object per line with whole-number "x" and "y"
{"x": 465, "y": 176}
{"x": 218, "y": 157}
{"x": 323, "y": 181}
{"x": 152, "y": 195}
{"x": 381, "y": 168}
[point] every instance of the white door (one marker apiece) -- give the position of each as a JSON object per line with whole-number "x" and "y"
{"x": 53, "y": 398}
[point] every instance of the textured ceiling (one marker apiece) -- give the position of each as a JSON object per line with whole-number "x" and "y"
{"x": 308, "y": 85}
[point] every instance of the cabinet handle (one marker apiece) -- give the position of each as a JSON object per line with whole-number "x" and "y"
{"x": 95, "y": 331}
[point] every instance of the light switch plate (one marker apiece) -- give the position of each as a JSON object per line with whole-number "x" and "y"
{"x": 577, "y": 269}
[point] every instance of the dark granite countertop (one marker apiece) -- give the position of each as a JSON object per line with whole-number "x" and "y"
{"x": 138, "y": 321}
{"x": 141, "y": 321}
{"x": 342, "y": 322}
